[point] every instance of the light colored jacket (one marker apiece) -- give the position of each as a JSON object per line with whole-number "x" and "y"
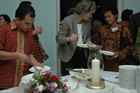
{"x": 68, "y": 27}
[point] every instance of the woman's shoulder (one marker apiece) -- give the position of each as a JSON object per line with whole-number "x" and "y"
{"x": 69, "y": 18}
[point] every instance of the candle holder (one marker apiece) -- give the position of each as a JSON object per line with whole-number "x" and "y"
{"x": 95, "y": 85}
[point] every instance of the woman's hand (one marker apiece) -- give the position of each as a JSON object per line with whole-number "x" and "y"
{"x": 89, "y": 43}
{"x": 73, "y": 37}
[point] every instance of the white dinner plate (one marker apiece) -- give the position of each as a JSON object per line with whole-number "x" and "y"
{"x": 109, "y": 53}
{"x": 86, "y": 46}
{"x": 46, "y": 68}
{"x": 25, "y": 78}
{"x": 81, "y": 75}
{"x": 72, "y": 73}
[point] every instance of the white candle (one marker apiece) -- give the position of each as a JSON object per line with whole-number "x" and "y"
{"x": 95, "y": 70}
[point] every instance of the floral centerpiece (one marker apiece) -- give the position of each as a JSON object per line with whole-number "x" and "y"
{"x": 45, "y": 83}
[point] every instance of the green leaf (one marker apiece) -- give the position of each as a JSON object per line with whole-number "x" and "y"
{"x": 63, "y": 90}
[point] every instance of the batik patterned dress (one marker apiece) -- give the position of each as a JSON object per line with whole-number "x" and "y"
{"x": 111, "y": 42}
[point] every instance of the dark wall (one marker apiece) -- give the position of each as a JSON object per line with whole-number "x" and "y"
{"x": 65, "y": 5}
{"x": 98, "y": 15}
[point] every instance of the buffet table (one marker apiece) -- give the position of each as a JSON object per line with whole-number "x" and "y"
{"x": 79, "y": 86}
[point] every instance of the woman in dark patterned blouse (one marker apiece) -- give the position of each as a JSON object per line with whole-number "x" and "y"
{"x": 109, "y": 36}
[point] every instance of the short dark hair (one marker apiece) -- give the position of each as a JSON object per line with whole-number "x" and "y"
{"x": 25, "y": 3}
{"x": 6, "y": 18}
{"x": 23, "y": 10}
{"x": 126, "y": 13}
{"x": 113, "y": 10}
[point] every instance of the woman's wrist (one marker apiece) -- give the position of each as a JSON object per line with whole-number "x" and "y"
{"x": 68, "y": 39}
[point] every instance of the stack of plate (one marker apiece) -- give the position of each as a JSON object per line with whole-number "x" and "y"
{"x": 127, "y": 76}
{"x": 138, "y": 80}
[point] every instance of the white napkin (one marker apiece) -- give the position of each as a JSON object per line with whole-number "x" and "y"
{"x": 72, "y": 83}
{"x": 20, "y": 88}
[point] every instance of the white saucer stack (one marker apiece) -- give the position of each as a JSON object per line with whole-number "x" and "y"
{"x": 127, "y": 76}
{"x": 138, "y": 80}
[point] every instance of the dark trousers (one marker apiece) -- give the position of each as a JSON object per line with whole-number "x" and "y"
{"x": 78, "y": 60}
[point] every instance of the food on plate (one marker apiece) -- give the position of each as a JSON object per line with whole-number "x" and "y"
{"x": 89, "y": 45}
{"x": 83, "y": 75}
{"x": 40, "y": 69}
{"x": 83, "y": 45}
{"x": 86, "y": 70}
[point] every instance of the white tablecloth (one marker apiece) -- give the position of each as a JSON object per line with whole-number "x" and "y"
{"x": 111, "y": 83}
{"x": 11, "y": 90}
{"x": 79, "y": 86}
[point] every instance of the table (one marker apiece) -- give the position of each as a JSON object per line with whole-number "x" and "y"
{"x": 80, "y": 86}
{"x": 110, "y": 81}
